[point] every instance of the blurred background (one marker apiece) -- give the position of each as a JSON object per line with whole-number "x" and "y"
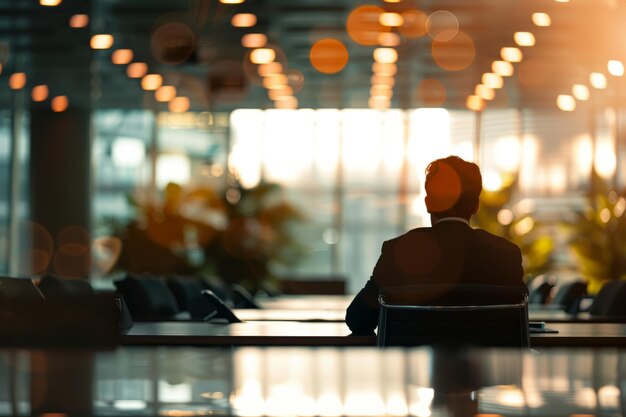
{"x": 264, "y": 139}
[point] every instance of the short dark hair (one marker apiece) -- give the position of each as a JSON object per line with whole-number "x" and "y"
{"x": 453, "y": 187}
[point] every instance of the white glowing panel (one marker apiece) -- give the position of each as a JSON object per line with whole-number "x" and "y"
{"x": 128, "y": 152}
{"x": 246, "y": 153}
{"x": 327, "y": 141}
{"x": 362, "y": 133}
{"x": 172, "y": 168}
{"x": 288, "y": 144}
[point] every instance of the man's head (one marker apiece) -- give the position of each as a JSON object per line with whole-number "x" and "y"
{"x": 452, "y": 187}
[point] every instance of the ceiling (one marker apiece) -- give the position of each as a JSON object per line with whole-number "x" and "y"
{"x": 216, "y": 74}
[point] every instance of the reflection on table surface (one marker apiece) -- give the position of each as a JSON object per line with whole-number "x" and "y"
{"x": 312, "y": 381}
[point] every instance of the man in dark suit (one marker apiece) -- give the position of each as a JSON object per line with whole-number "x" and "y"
{"x": 450, "y": 252}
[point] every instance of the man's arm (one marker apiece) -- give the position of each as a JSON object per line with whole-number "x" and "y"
{"x": 362, "y": 314}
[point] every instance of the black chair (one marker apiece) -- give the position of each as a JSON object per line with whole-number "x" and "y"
{"x": 54, "y": 287}
{"x": 453, "y": 316}
{"x": 568, "y": 296}
{"x": 540, "y": 289}
{"x": 147, "y": 297}
{"x": 610, "y": 300}
{"x": 19, "y": 289}
{"x": 188, "y": 294}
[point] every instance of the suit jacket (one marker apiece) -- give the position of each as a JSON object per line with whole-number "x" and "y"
{"x": 450, "y": 252}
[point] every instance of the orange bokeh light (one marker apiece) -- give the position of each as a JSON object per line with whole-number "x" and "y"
{"x": 475, "y": 103}
{"x": 101, "y": 41}
{"x": 137, "y": 69}
{"x": 363, "y": 25}
{"x": 79, "y": 21}
{"x": 254, "y": 40}
{"x": 122, "y": 57}
{"x": 287, "y": 102}
{"x": 17, "y": 81}
{"x": 414, "y": 24}
{"x": 388, "y": 39}
{"x": 270, "y": 69}
{"x": 165, "y": 93}
{"x": 431, "y": 92}
{"x": 151, "y": 82}
{"x": 455, "y": 54}
{"x": 59, "y": 104}
{"x": 39, "y": 92}
{"x": 328, "y": 56}
{"x": 384, "y": 69}
{"x": 179, "y": 105}
{"x": 243, "y": 20}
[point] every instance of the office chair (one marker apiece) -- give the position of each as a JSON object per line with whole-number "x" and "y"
{"x": 568, "y": 296}
{"x": 19, "y": 289}
{"x": 609, "y": 302}
{"x": 54, "y": 287}
{"x": 147, "y": 297}
{"x": 453, "y": 316}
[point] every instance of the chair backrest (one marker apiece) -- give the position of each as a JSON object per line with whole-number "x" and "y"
{"x": 147, "y": 297}
{"x": 568, "y": 295}
{"x": 453, "y": 316}
{"x": 609, "y": 302}
{"x": 54, "y": 287}
{"x": 188, "y": 294}
{"x": 19, "y": 289}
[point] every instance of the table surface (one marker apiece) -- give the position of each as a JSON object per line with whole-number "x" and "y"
{"x": 338, "y": 315}
{"x": 161, "y": 381}
{"x": 290, "y": 333}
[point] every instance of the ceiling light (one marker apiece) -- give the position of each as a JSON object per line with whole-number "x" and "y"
{"x": 59, "y": 104}
{"x": 253, "y": 40}
{"x": 286, "y": 103}
{"x": 391, "y": 19}
{"x": 122, "y": 56}
{"x": 262, "y": 56}
{"x": 102, "y": 41}
{"x": 137, "y": 69}
{"x": 384, "y": 69}
{"x": 17, "y": 81}
{"x": 566, "y": 102}
{"x": 380, "y": 103}
{"x": 597, "y": 80}
{"x": 524, "y": 38}
{"x": 580, "y": 92}
{"x": 615, "y": 67}
{"x": 243, "y": 20}
{"x": 475, "y": 103}
{"x": 151, "y": 82}
{"x": 484, "y": 92}
{"x": 541, "y": 19}
{"x": 39, "y": 92}
{"x": 275, "y": 81}
{"x": 278, "y": 93}
{"x": 179, "y": 105}
{"x": 49, "y": 2}
{"x": 165, "y": 93}
{"x": 385, "y": 55}
{"x": 381, "y": 91}
{"x": 269, "y": 69}
{"x": 492, "y": 80}
{"x": 377, "y": 79}
{"x": 79, "y": 21}
{"x": 511, "y": 54}
{"x": 502, "y": 68}
{"x": 388, "y": 39}
{"x": 232, "y": 1}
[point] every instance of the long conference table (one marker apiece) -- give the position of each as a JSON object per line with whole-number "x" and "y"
{"x": 270, "y": 381}
{"x": 319, "y": 321}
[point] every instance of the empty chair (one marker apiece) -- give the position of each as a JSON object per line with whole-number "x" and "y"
{"x": 19, "y": 289}
{"x": 147, "y": 297}
{"x": 453, "y": 316}
{"x": 54, "y": 287}
{"x": 188, "y": 294}
{"x": 610, "y": 300}
{"x": 242, "y": 297}
{"x": 568, "y": 296}
{"x": 540, "y": 289}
